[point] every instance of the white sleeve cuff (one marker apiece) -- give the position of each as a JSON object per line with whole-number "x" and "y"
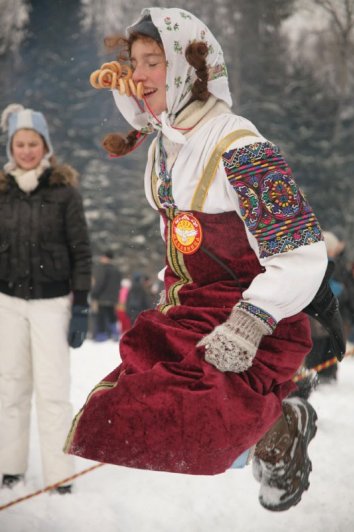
{"x": 290, "y": 281}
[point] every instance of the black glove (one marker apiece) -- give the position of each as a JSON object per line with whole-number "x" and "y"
{"x": 325, "y": 308}
{"x": 78, "y": 325}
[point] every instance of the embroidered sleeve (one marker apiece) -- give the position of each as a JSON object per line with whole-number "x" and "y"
{"x": 272, "y": 206}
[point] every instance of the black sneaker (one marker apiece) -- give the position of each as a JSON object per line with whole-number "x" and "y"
{"x": 10, "y": 481}
{"x": 284, "y": 479}
{"x": 63, "y": 490}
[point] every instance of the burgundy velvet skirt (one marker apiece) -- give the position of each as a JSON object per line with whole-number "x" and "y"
{"x": 164, "y": 407}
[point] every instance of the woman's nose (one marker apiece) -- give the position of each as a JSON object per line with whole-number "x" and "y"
{"x": 139, "y": 74}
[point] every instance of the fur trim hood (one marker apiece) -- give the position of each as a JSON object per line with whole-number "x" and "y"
{"x": 61, "y": 175}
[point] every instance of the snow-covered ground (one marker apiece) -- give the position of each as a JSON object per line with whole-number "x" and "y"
{"x": 117, "y": 499}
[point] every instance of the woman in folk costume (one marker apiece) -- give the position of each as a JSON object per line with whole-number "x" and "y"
{"x": 205, "y": 376}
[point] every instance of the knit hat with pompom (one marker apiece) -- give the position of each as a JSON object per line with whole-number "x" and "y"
{"x": 15, "y": 117}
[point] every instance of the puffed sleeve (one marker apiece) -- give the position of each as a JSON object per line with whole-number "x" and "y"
{"x": 281, "y": 228}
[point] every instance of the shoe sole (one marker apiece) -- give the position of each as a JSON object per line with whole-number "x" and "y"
{"x": 295, "y": 498}
{"x": 256, "y": 469}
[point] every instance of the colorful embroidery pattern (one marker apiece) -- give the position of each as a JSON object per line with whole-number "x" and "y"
{"x": 258, "y": 313}
{"x": 272, "y": 207}
{"x": 217, "y": 71}
{"x": 178, "y": 81}
{"x": 168, "y": 23}
{"x": 169, "y": 26}
{"x": 165, "y": 188}
{"x": 177, "y": 47}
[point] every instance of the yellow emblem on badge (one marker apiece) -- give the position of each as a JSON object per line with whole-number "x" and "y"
{"x": 186, "y": 233}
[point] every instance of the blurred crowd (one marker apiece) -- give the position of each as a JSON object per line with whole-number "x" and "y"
{"x": 116, "y": 301}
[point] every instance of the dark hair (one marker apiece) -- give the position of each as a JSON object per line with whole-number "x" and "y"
{"x": 146, "y": 27}
{"x": 120, "y": 144}
{"x": 196, "y": 54}
{"x": 109, "y": 254}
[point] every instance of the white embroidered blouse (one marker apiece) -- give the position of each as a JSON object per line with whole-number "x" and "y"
{"x": 253, "y": 179}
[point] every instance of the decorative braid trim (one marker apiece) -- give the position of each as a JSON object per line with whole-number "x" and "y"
{"x": 259, "y": 313}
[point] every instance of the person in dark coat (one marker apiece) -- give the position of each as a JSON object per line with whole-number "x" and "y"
{"x": 105, "y": 291}
{"x": 139, "y": 298}
{"x": 45, "y": 277}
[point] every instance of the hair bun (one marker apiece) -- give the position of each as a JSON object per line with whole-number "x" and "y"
{"x": 7, "y": 112}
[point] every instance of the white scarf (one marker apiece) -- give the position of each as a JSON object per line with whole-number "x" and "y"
{"x": 177, "y": 28}
{"x": 193, "y": 116}
{"x": 28, "y": 180}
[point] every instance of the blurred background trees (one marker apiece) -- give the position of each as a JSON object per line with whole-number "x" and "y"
{"x": 291, "y": 72}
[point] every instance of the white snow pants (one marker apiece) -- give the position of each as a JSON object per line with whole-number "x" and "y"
{"x": 35, "y": 357}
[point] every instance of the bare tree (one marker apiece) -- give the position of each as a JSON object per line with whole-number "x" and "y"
{"x": 341, "y": 47}
{"x": 13, "y": 21}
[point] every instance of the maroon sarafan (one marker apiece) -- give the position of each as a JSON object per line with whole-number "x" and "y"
{"x": 164, "y": 407}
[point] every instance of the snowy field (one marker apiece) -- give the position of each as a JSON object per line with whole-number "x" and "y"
{"x": 117, "y": 499}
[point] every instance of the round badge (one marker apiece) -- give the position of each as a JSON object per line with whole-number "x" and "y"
{"x": 186, "y": 233}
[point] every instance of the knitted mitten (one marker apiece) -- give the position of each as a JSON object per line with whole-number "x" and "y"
{"x": 232, "y": 345}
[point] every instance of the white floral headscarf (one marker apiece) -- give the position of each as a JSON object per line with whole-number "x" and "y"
{"x": 177, "y": 28}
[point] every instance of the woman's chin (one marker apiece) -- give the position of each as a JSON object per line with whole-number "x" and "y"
{"x": 28, "y": 167}
{"x": 154, "y": 110}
